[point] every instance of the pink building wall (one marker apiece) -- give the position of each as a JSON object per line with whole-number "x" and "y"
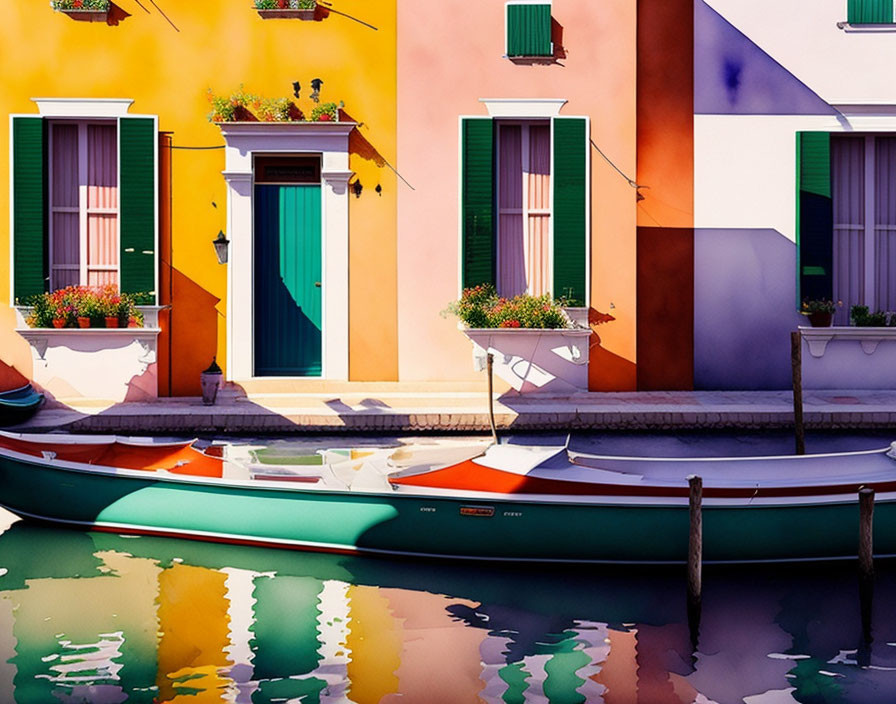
{"x": 450, "y": 54}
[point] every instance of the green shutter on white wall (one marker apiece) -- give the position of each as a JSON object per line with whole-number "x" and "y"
{"x": 815, "y": 216}
{"x": 477, "y": 201}
{"x": 29, "y": 211}
{"x": 138, "y": 178}
{"x": 870, "y": 12}
{"x": 529, "y": 29}
{"x": 570, "y": 162}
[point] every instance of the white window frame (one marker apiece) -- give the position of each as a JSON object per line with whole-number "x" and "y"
{"x": 82, "y": 209}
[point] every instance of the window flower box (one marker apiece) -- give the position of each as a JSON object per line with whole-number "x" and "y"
{"x": 83, "y": 10}
{"x": 286, "y": 9}
{"x": 535, "y": 359}
{"x": 848, "y": 357}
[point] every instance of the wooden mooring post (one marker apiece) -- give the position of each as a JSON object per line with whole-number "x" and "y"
{"x": 695, "y": 554}
{"x": 796, "y": 366}
{"x": 866, "y": 570}
{"x": 490, "y": 361}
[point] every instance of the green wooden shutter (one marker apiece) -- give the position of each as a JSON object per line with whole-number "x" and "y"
{"x": 137, "y": 183}
{"x": 529, "y": 30}
{"x": 29, "y": 204}
{"x": 815, "y": 216}
{"x": 477, "y": 202}
{"x": 570, "y": 211}
{"x": 870, "y": 12}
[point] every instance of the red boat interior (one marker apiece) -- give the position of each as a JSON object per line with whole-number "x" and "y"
{"x": 180, "y": 458}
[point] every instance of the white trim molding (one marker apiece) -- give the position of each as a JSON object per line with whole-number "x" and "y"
{"x": 243, "y": 141}
{"x": 523, "y": 107}
{"x": 817, "y": 339}
{"x": 83, "y": 107}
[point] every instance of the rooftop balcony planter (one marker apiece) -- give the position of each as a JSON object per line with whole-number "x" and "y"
{"x": 83, "y": 10}
{"x": 286, "y": 9}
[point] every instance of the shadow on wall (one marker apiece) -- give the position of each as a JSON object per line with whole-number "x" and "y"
{"x": 744, "y": 309}
{"x": 607, "y": 371}
{"x": 10, "y": 377}
{"x": 733, "y": 76}
{"x": 193, "y": 334}
{"x": 556, "y": 41}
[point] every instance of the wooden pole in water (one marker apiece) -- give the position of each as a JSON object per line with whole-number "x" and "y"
{"x": 490, "y": 360}
{"x": 866, "y": 529}
{"x": 695, "y": 543}
{"x": 796, "y": 365}
{"x": 866, "y": 570}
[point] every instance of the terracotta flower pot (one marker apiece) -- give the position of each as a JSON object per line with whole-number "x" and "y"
{"x": 111, "y": 321}
{"x": 820, "y": 319}
{"x": 58, "y": 322}
{"x": 83, "y": 321}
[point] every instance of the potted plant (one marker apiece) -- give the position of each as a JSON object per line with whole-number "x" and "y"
{"x": 862, "y": 317}
{"x": 325, "y": 112}
{"x": 86, "y": 10}
{"x": 286, "y": 9}
{"x": 820, "y": 311}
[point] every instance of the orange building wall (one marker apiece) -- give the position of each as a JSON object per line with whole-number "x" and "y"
{"x": 665, "y": 319}
{"x": 450, "y": 54}
{"x": 167, "y": 63}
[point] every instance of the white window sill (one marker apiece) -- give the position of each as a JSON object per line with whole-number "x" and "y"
{"x": 817, "y": 339}
{"x": 866, "y": 28}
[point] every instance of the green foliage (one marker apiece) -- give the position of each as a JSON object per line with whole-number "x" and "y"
{"x": 228, "y": 108}
{"x": 821, "y": 305}
{"x": 272, "y": 109}
{"x": 481, "y": 307}
{"x": 862, "y": 317}
{"x": 73, "y": 302}
{"x": 325, "y": 112}
{"x": 284, "y": 4}
{"x": 93, "y": 5}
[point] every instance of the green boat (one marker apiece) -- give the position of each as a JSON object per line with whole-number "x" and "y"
{"x": 501, "y": 502}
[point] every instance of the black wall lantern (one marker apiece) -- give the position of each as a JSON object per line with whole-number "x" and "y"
{"x": 357, "y": 188}
{"x": 221, "y": 242}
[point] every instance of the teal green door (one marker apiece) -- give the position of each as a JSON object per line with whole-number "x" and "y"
{"x": 287, "y": 304}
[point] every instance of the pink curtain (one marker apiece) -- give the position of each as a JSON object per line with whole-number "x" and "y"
{"x": 848, "y": 192}
{"x": 66, "y": 247}
{"x": 102, "y": 196}
{"x": 885, "y": 223}
{"x": 539, "y": 187}
{"x": 511, "y": 244}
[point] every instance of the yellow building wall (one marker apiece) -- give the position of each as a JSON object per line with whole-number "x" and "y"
{"x": 166, "y": 56}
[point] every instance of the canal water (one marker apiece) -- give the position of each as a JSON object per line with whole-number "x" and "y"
{"x": 98, "y": 617}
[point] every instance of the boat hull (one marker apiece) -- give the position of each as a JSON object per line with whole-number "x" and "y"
{"x": 499, "y": 528}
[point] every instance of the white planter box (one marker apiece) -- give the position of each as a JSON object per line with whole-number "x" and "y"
{"x": 105, "y": 364}
{"x": 848, "y": 358}
{"x": 535, "y": 360}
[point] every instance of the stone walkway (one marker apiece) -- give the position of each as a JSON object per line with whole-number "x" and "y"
{"x": 392, "y": 411}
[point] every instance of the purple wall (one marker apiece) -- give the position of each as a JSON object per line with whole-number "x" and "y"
{"x": 734, "y": 76}
{"x": 744, "y": 309}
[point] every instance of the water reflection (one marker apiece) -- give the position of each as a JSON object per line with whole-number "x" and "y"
{"x": 95, "y": 617}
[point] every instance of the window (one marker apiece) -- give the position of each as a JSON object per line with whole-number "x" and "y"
{"x": 84, "y": 197}
{"x": 863, "y": 181}
{"x": 524, "y": 205}
{"x": 528, "y": 29}
{"x": 83, "y": 204}
{"x": 524, "y": 208}
{"x": 869, "y": 12}
{"x": 847, "y": 219}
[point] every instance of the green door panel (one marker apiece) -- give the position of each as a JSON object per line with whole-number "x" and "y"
{"x": 288, "y": 289}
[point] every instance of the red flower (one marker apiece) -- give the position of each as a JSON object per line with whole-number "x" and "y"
{"x": 78, "y": 4}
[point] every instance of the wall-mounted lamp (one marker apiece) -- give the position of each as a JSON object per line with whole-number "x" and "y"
{"x": 221, "y": 242}
{"x": 379, "y": 189}
{"x": 357, "y": 188}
